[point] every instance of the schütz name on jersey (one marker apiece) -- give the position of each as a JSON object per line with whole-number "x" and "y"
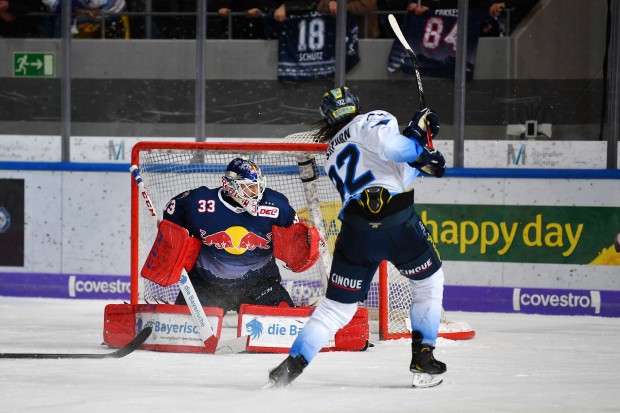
{"x": 343, "y": 137}
{"x": 310, "y": 56}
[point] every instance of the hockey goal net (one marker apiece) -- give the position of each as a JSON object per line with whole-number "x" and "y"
{"x": 294, "y": 169}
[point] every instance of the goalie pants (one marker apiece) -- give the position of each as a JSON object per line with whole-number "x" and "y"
{"x": 260, "y": 287}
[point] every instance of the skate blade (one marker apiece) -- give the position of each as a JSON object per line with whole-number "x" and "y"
{"x": 269, "y": 385}
{"x": 274, "y": 385}
{"x": 424, "y": 380}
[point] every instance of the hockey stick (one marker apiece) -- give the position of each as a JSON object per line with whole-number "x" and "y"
{"x": 416, "y": 66}
{"x": 122, "y": 352}
{"x": 212, "y": 344}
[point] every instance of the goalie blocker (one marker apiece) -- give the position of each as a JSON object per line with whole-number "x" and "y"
{"x": 172, "y": 251}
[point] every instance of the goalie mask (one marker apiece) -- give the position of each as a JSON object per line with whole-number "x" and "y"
{"x": 339, "y": 104}
{"x": 245, "y": 183}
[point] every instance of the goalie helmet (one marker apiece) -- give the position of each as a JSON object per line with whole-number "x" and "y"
{"x": 245, "y": 183}
{"x": 339, "y": 104}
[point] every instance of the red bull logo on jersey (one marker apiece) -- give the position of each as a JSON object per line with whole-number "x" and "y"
{"x": 236, "y": 240}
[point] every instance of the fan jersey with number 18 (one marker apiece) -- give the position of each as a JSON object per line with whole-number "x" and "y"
{"x": 370, "y": 151}
{"x": 307, "y": 47}
{"x": 233, "y": 241}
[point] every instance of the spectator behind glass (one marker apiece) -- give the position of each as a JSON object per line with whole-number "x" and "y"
{"x": 250, "y": 26}
{"x": 420, "y": 7}
{"x": 184, "y": 27}
{"x": 281, "y": 9}
{"x": 364, "y": 9}
{"x": 396, "y": 7}
{"x": 495, "y": 22}
{"x": 498, "y": 22}
{"x": 14, "y": 21}
{"x": 89, "y": 18}
{"x": 278, "y": 11}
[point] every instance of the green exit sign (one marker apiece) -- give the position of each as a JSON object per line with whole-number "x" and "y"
{"x": 34, "y": 64}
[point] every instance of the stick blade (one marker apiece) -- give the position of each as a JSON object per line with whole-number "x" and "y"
{"x": 122, "y": 352}
{"x": 133, "y": 345}
{"x": 229, "y": 346}
{"x": 233, "y": 346}
{"x": 398, "y": 32}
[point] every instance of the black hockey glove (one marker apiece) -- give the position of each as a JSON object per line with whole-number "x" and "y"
{"x": 416, "y": 129}
{"x": 431, "y": 162}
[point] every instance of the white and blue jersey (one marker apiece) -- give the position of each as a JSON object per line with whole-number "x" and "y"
{"x": 371, "y": 151}
{"x": 233, "y": 241}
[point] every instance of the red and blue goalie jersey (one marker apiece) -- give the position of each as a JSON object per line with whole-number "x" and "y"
{"x": 233, "y": 241}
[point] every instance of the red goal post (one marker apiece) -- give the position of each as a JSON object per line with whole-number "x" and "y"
{"x": 296, "y": 170}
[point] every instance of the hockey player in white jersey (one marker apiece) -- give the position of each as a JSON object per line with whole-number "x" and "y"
{"x": 373, "y": 166}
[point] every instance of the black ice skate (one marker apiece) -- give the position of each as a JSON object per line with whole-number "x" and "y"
{"x": 427, "y": 371}
{"x": 287, "y": 371}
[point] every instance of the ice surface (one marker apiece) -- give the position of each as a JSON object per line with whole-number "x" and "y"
{"x": 515, "y": 363}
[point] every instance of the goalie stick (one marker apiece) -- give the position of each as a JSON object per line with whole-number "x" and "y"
{"x": 122, "y": 352}
{"x": 205, "y": 330}
{"x": 416, "y": 66}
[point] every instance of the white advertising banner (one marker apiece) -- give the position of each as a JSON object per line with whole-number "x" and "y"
{"x": 109, "y": 149}
{"x": 478, "y": 153}
{"x": 536, "y": 154}
{"x": 30, "y": 148}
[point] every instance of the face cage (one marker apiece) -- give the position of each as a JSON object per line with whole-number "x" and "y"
{"x": 235, "y": 188}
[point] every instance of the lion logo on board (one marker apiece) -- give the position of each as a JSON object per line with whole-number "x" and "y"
{"x": 254, "y": 328}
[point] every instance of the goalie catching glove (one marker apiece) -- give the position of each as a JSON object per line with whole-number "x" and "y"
{"x": 172, "y": 251}
{"x": 297, "y": 246}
